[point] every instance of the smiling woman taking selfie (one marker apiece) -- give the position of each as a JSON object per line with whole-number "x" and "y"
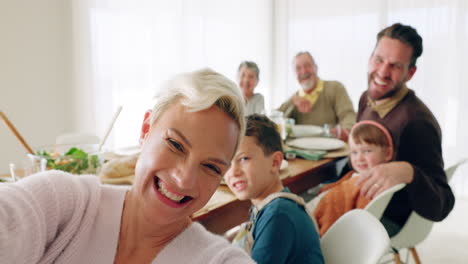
{"x": 188, "y": 141}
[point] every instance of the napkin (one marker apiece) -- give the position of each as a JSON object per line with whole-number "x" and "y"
{"x": 307, "y": 154}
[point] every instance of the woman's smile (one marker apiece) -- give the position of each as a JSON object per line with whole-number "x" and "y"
{"x": 168, "y": 197}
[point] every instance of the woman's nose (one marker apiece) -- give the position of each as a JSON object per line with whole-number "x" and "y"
{"x": 185, "y": 177}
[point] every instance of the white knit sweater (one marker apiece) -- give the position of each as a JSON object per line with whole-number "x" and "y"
{"x": 55, "y": 217}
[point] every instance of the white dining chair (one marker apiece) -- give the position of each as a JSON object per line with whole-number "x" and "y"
{"x": 356, "y": 237}
{"x": 378, "y": 205}
{"x": 416, "y": 228}
{"x": 450, "y": 171}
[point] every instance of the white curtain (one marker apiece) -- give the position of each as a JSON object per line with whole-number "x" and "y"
{"x": 134, "y": 45}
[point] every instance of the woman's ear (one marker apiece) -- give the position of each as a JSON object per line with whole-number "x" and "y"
{"x": 145, "y": 127}
{"x": 277, "y": 160}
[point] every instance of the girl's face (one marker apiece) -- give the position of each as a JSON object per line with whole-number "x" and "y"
{"x": 366, "y": 156}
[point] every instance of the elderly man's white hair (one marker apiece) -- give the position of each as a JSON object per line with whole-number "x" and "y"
{"x": 199, "y": 90}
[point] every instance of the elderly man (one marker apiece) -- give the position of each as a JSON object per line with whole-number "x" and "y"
{"x": 415, "y": 131}
{"x": 318, "y": 102}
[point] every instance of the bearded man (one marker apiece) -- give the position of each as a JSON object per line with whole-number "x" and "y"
{"x": 415, "y": 131}
{"x": 318, "y": 102}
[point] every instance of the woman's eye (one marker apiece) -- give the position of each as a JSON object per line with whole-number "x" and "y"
{"x": 213, "y": 168}
{"x": 176, "y": 145}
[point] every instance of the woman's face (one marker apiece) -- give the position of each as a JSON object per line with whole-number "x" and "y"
{"x": 247, "y": 81}
{"x": 183, "y": 158}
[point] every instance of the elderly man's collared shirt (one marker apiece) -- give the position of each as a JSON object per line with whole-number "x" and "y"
{"x": 313, "y": 96}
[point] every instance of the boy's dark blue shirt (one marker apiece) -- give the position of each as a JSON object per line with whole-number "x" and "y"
{"x": 284, "y": 233}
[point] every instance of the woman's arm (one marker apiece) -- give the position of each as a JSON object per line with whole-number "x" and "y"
{"x": 33, "y": 212}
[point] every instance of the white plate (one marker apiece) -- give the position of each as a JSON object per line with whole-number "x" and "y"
{"x": 306, "y": 130}
{"x": 317, "y": 143}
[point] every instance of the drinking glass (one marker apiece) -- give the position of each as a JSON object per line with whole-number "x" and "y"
{"x": 289, "y": 123}
{"x": 277, "y": 117}
{"x": 333, "y": 131}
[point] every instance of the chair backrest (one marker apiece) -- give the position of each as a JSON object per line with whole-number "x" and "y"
{"x": 417, "y": 228}
{"x": 451, "y": 170}
{"x": 377, "y": 206}
{"x": 356, "y": 237}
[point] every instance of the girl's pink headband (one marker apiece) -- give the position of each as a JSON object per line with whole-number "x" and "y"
{"x": 378, "y": 125}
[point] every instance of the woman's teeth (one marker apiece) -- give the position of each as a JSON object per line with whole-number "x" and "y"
{"x": 174, "y": 197}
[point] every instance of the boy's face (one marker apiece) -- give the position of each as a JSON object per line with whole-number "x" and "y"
{"x": 365, "y": 156}
{"x": 252, "y": 174}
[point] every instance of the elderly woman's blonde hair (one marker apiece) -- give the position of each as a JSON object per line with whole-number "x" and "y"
{"x": 199, "y": 90}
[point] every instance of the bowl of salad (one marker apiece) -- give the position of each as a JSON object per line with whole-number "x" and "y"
{"x": 76, "y": 159}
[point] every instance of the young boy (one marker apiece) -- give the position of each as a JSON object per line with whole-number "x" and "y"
{"x": 282, "y": 230}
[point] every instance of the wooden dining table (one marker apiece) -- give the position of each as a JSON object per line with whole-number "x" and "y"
{"x": 224, "y": 211}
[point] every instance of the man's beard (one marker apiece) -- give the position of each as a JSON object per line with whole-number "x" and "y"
{"x": 389, "y": 94}
{"x": 308, "y": 85}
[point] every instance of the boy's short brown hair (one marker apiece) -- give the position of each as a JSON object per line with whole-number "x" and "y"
{"x": 265, "y": 133}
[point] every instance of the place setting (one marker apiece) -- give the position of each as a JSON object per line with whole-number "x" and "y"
{"x": 315, "y": 142}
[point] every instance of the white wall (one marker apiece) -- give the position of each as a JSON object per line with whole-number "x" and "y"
{"x": 35, "y": 70}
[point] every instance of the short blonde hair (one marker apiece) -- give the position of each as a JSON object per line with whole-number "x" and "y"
{"x": 199, "y": 90}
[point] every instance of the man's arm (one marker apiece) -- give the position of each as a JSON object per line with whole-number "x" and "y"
{"x": 429, "y": 192}
{"x": 422, "y": 171}
{"x": 288, "y": 108}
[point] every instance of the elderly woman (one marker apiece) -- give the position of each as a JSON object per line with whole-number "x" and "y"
{"x": 188, "y": 141}
{"x": 247, "y": 75}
